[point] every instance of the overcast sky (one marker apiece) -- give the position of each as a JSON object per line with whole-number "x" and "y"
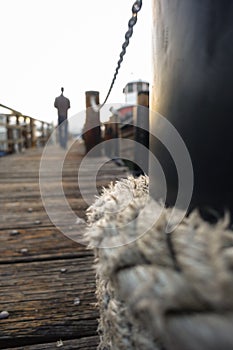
{"x": 46, "y": 44}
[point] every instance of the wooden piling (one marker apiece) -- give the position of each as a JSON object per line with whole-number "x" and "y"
{"x": 33, "y": 132}
{"x": 19, "y": 134}
{"x": 92, "y": 132}
{"x": 10, "y": 142}
{"x": 141, "y": 133}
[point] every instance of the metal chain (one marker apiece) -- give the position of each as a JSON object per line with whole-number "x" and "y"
{"x": 133, "y": 20}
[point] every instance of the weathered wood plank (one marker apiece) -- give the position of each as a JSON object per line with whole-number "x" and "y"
{"x": 18, "y": 221}
{"x": 41, "y": 243}
{"x": 26, "y": 190}
{"x": 43, "y": 272}
{"x": 41, "y": 300}
{"x": 89, "y": 343}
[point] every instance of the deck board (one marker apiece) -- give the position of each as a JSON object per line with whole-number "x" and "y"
{"x": 42, "y": 271}
{"x": 88, "y": 343}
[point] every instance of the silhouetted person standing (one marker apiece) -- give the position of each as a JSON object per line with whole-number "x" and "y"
{"x": 62, "y": 104}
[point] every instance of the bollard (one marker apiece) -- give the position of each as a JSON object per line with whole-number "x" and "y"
{"x": 141, "y": 133}
{"x": 193, "y": 89}
{"x": 92, "y": 131}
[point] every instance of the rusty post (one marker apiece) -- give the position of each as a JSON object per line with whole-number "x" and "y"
{"x": 92, "y": 132}
{"x": 141, "y": 133}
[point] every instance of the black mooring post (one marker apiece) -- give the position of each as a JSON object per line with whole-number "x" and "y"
{"x": 193, "y": 89}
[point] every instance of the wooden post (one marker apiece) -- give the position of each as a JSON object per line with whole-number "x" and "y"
{"x": 141, "y": 133}
{"x": 43, "y": 140}
{"x": 33, "y": 132}
{"x": 25, "y": 134}
{"x": 92, "y": 132}
{"x": 111, "y": 133}
{"x": 10, "y": 140}
{"x": 19, "y": 134}
{"x": 48, "y": 131}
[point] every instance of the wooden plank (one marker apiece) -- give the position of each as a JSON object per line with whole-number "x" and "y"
{"x": 16, "y": 213}
{"x": 88, "y": 343}
{"x": 17, "y": 190}
{"x": 40, "y": 300}
{"x": 41, "y": 244}
{"x": 42, "y": 271}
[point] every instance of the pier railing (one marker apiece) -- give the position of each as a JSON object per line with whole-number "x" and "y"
{"x": 19, "y": 131}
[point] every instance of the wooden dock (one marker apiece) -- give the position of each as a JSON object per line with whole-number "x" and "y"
{"x": 47, "y": 280}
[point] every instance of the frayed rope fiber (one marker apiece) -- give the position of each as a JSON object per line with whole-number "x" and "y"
{"x": 149, "y": 296}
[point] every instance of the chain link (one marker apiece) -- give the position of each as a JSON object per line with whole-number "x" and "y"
{"x": 133, "y": 20}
